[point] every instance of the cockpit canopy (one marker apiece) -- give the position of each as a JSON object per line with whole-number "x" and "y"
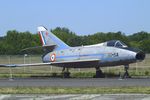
{"x": 115, "y": 43}
{"x": 111, "y": 43}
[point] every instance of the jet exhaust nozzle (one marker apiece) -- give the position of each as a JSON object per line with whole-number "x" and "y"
{"x": 140, "y": 55}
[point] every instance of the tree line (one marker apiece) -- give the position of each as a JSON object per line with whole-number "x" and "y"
{"x": 14, "y": 42}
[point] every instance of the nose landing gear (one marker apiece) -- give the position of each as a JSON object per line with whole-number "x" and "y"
{"x": 126, "y": 74}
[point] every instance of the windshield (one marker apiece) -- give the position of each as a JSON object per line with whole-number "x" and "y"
{"x": 116, "y": 43}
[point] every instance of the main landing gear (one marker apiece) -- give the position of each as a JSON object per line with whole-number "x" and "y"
{"x": 126, "y": 74}
{"x": 99, "y": 73}
{"x": 65, "y": 72}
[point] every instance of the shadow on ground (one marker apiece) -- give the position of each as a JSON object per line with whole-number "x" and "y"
{"x": 60, "y": 75}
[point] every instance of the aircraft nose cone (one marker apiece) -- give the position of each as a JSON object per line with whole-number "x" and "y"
{"x": 140, "y": 55}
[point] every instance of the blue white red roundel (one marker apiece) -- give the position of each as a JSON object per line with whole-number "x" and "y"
{"x": 53, "y": 57}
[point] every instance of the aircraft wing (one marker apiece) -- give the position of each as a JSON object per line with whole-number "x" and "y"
{"x": 62, "y": 63}
{"x": 23, "y": 65}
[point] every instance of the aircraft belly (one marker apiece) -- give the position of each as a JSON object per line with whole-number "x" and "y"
{"x": 79, "y": 65}
{"x": 116, "y": 63}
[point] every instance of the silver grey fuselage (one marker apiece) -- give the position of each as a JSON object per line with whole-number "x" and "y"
{"x": 108, "y": 56}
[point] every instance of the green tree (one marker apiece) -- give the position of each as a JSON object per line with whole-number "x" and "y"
{"x": 15, "y": 41}
{"x": 144, "y": 45}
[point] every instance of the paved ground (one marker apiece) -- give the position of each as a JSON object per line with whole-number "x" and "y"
{"x": 74, "y": 82}
{"x": 77, "y": 97}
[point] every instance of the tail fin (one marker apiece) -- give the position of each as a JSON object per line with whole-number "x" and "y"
{"x": 49, "y": 39}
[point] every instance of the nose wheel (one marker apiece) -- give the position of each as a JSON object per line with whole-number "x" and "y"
{"x": 126, "y": 74}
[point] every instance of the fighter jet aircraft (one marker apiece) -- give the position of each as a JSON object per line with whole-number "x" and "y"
{"x": 110, "y": 53}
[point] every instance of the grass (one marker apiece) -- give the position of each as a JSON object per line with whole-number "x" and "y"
{"x": 74, "y": 90}
{"x": 138, "y": 69}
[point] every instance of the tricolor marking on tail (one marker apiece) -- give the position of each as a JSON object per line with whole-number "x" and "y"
{"x": 42, "y": 38}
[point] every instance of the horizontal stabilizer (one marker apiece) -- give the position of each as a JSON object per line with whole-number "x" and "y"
{"x": 46, "y": 48}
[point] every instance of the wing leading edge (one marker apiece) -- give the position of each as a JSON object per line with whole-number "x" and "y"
{"x": 75, "y": 63}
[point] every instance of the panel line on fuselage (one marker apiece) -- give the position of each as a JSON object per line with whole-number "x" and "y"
{"x": 87, "y": 55}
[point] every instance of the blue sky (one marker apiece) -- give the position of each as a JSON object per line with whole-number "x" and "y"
{"x": 80, "y": 16}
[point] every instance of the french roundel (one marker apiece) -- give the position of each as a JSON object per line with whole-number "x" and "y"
{"x": 53, "y": 57}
